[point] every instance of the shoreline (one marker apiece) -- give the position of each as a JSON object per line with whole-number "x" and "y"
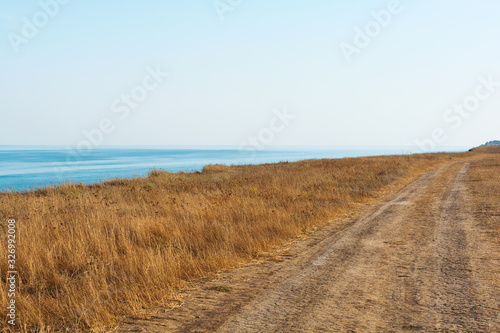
{"x": 60, "y": 170}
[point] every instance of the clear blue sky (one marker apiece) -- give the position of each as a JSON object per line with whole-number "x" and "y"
{"x": 227, "y": 76}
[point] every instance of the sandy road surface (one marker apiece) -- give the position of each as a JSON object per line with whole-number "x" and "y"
{"x": 417, "y": 262}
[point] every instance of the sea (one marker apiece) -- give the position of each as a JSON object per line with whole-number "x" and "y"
{"x": 25, "y": 168}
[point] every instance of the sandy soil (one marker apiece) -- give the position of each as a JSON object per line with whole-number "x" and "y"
{"x": 417, "y": 262}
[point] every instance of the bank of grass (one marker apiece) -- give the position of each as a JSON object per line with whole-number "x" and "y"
{"x": 483, "y": 178}
{"x": 89, "y": 255}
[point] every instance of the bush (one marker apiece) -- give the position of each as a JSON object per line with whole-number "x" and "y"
{"x": 215, "y": 168}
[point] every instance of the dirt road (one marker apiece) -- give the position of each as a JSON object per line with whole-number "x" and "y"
{"x": 417, "y": 262}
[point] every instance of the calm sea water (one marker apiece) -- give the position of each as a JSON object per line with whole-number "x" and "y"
{"x": 24, "y": 168}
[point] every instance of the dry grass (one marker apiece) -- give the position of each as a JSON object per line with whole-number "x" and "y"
{"x": 215, "y": 168}
{"x": 484, "y": 185}
{"x": 88, "y": 255}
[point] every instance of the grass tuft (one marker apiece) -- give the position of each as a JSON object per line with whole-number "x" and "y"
{"x": 213, "y": 168}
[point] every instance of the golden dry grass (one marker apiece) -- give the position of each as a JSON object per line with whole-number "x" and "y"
{"x": 88, "y": 255}
{"x": 215, "y": 168}
{"x": 484, "y": 185}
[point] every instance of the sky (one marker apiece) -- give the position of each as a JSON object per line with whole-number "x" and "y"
{"x": 240, "y": 72}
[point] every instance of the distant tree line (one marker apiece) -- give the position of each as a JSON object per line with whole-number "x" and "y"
{"x": 492, "y": 143}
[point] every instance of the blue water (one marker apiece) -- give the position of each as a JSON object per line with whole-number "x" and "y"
{"x": 24, "y": 168}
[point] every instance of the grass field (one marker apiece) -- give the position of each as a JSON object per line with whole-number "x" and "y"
{"x": 89, "y": 255}
{"x": 484, "y": 187}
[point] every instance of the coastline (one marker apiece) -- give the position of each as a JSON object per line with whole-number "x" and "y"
{"x": 41, "y": 166}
